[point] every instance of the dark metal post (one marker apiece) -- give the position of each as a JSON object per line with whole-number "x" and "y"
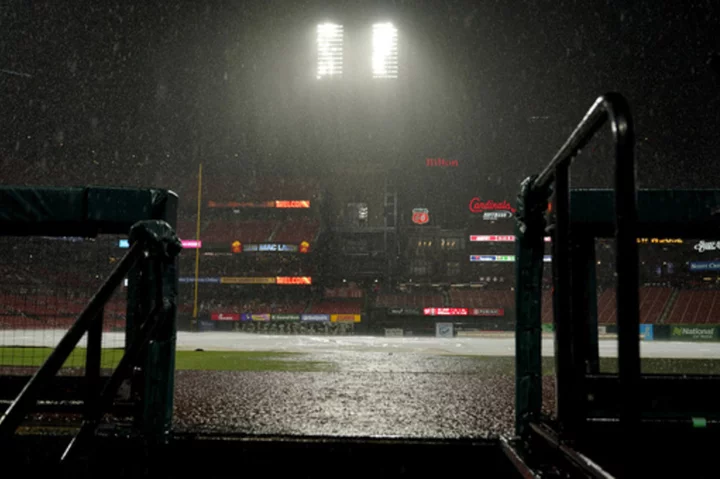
{"x": 584, "y": 306}
{"x": 564, "y": 353}
{"x": 92, "y": 365}
{"x": 628, "y": 300}
{"x": 530, "y": 230}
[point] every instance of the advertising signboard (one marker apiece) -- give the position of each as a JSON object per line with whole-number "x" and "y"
{"x": 488, "y": 312}
{"x": 704, "y": 265}
{"x": 479, "y": 206}
{"x": 345, "y": 318}
{"x": 225, "y": 316}
{"x": 285, "y": 317}
{"x": 497, "y": 238}
{"x": 190, "y": 279}
{"x": 445, "y": 311}
{"x": 404, "y": 312}
{"x": 420, "y": 216}
{"x": 187, "y": 244}
{"x": 315, "y": 317}
{"x": 260, "y": 316}
{"x": 646, "y": 332}
{"x": 703, "y": 246}
{"x": 496, "y": 215}
{"x": 301, "y": 280}
{"x": 444, "y": 330}
{"x": 246, "y": 280}
{"x": 500, "y": 258}
{"x": 693, "y": 333}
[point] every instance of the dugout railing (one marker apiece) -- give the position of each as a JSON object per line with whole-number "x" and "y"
{"x": 603, "y": 423}
{"x": 150, "y": 269}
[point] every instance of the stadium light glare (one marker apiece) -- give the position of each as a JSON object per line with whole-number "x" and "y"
{"x": 329, "y": 50}
{"x": 385, "y": 51}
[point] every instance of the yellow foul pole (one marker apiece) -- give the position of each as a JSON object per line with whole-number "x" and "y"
{"x": 197, "y": 238}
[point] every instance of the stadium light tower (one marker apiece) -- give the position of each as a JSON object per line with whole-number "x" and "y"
{"x": 329, "y": 50}
{"x": 385, "y": 51}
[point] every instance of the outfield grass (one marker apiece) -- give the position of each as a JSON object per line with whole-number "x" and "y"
{"x": 299, "y": 362}
{"x": 184, "y": 360}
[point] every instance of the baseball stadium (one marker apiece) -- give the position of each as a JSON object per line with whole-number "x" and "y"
{"x": 357, "y": 238}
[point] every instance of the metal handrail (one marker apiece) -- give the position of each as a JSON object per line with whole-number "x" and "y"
{"x": 21, "y": 406}
{"x": 613, "y": 108}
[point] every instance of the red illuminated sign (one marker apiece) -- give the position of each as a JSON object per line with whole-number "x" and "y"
{"x": 304, "y": 280}
{"x": 420, "y": 216}
{"x": 441, "y": 163}
{"x": 292, "y": 204}
{"x": 445, "y": 311}
{"x": 304, "y": 247}
{"x": 478, "y": 206}
{"x": 225, "y": 317}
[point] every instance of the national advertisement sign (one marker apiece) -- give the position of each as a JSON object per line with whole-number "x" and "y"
{"x": 285, "y": 317}
{"x": 260, "y": 317}
{"x": 693, "y": 333}
{"x": 315, "y": 317}
{"x": 225, "y": 316}
{"x": 345, "y": 318}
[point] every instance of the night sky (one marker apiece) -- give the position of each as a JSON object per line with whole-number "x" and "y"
{"x": 115, "y": 94}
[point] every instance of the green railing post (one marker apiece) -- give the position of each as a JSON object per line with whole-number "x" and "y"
{"x": 530, "y": 246}
{"x": 155, "y": 283}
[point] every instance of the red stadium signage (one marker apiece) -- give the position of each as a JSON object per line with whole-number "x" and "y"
{"x": 225, "y": 317}
{"x": 292, "y": 204}
{"x": 420, "y": 216}
{"x": 441, "y": 163}
{"x": 302, "y": 280}
{"x": 445, "y": 311}
{"x": 479, "y": 206}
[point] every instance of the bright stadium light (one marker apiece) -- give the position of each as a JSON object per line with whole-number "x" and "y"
{"x": 329, "y": 50}
{"x": 385, "y": 51}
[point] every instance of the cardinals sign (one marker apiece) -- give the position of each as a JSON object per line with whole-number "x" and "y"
{"x": 420, "y": 216}
{"x": 479, "y": 206}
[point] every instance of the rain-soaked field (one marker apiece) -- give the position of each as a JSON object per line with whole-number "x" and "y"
{"x": 358, "y": 386}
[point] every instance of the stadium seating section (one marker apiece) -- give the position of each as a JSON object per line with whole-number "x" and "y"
{"x": 657, "y": 304}
{"x": 695, "y": 307}
{"x": 478, "y": 298}
{"x": 52, "y": 312}
{"x": 333, "y": 306}
{"x": 417, "y": 300}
